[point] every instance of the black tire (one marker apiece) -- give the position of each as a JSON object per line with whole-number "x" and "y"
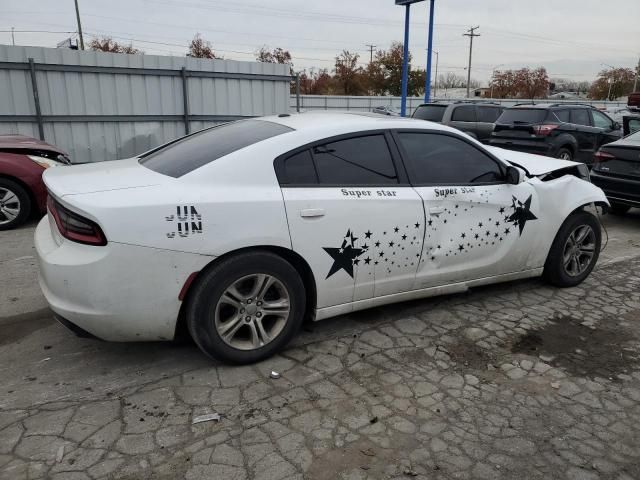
{"x": 565, "y": 154}
{"x": 555, "y": 271}
{"x": 24, "y": 206}
{"x": 619, "y": 208}
{"x": 209, "y": 288}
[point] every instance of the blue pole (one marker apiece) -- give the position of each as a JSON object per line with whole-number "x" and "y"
{"x": 427, "y": 85}
{"x": 405, "y": 63}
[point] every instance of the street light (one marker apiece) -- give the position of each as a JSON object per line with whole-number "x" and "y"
{"x": 493, "y": 74}
{"x": 609, "y": 80}
{"x": 405, "y": 59}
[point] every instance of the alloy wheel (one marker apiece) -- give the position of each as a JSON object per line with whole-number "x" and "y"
{"x": 579, "y": 250}
{"x": 9, "y": 206}
{"x": 252, "y": 311}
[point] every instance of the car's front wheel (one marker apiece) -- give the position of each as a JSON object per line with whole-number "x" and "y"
{"x": 574, "y": 251}
{"x": 15, "y": 204}
{"x": 246, "y": 308}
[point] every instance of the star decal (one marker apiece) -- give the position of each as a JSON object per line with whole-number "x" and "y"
{"x": 396, "y": 230}
{"x": 521, "y": 213}
{"x": 417, "y": 225}
{"x": 368, "y": 234}
{"x": 345, "y": 256}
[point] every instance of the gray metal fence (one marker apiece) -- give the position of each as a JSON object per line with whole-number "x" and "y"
{"x": 366, "y": 104}
{"x": 101, "y": 106}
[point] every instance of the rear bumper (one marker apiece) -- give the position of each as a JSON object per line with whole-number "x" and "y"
{"x": 117, "y": 292}
{"x": 521, "y": 145}
{"x": 618, "y": 190}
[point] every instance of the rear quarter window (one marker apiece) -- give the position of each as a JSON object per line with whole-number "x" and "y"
{"x": 194, "y": 151}
{"x": 433, "y": 113}
{"x": 464, "y": 113}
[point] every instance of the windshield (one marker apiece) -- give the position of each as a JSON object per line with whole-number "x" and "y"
{"x": 433, "y": 113}
{"x": 522, "y": 115}
{"x": 192, "y": 152}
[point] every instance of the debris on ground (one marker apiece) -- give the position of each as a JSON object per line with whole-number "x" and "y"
{"x": 275, "y": 375}
{"x": 211, "y": 417}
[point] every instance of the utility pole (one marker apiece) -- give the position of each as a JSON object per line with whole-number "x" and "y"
{"x": 79, "y": 26}
{"x": 371, "y": 49}
{"x": 13, "y": 39}
{"x": 635, "y": 82}
{"x": 470, "y": 34}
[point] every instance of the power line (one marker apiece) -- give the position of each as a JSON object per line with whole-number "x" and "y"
{"x": 471, "y": 33}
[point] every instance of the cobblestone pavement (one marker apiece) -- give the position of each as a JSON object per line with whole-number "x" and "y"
{"x": 515, "y": 381}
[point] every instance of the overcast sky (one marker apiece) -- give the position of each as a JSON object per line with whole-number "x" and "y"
{"x": 571, "y": 38}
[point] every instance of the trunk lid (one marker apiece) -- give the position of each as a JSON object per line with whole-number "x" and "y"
{"x": 100, "y": 177}
{"x": 627, "y": 158}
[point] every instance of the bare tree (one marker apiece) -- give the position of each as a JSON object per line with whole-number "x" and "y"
{"x": 107, "y": 44}
{"x": 201, "y": 48}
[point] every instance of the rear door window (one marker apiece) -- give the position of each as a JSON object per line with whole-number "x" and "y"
{"x": 464, "y": 113}
{"x": 580, "y": 116}
{"x": 433, "y": 113}
{"x": 522, "y": 116}
{"x": 189, "y": 153}
{"x": 488, "y": 114}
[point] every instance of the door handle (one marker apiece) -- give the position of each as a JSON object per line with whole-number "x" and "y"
{"x": 312, "y": 212}
{"x": 436, "y": 210}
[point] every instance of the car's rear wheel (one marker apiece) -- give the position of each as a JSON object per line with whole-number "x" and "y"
{"x": 619, "y": 208}
{"x": 574, "y": 251}
{"x": 15, "y": 204}
{"x": 246, "y": 308}
{"x": 564, "y": 154}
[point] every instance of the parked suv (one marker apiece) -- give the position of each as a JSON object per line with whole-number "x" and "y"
{"x": 475, "y": 119}
{"x": 567, "y": 131}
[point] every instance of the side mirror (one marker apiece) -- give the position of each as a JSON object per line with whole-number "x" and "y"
{"x": 515, "y": 176}
{"x": 615, "y": 126}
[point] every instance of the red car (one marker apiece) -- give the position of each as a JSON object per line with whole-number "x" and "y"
{"x": 22, "y": 161}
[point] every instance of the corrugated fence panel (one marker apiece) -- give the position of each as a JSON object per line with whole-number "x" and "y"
{"x": 110, "y": 94}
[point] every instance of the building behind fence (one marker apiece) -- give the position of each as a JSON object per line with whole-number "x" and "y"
{"x": 102, "y": 106}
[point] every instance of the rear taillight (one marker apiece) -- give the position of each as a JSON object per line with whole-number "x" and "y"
{"x": 75, "y": 227}
{"x": 600, "y": 157}
{"x": 544, "y": 130}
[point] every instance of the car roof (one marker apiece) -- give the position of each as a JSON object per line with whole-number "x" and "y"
{"x": 22, "y": 142}
{"x": 318, "y": 120}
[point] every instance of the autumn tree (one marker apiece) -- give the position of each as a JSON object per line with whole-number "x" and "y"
{"x": 201, "y": 48}
{"x": 523, "y": 83}
{"x": 277, "y": 55}
{"x": 612, "y": 83}
{"x": 315, "y": 82}
{"x": 384, "y": 74}
{"x": 349, "y": 76}
{"x": 107, "y": 44}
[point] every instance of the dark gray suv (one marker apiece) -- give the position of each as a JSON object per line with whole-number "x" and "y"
{"x": 475, "y": 119}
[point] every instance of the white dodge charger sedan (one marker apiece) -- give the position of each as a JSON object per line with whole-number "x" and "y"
{"x": 239, "y": 232}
